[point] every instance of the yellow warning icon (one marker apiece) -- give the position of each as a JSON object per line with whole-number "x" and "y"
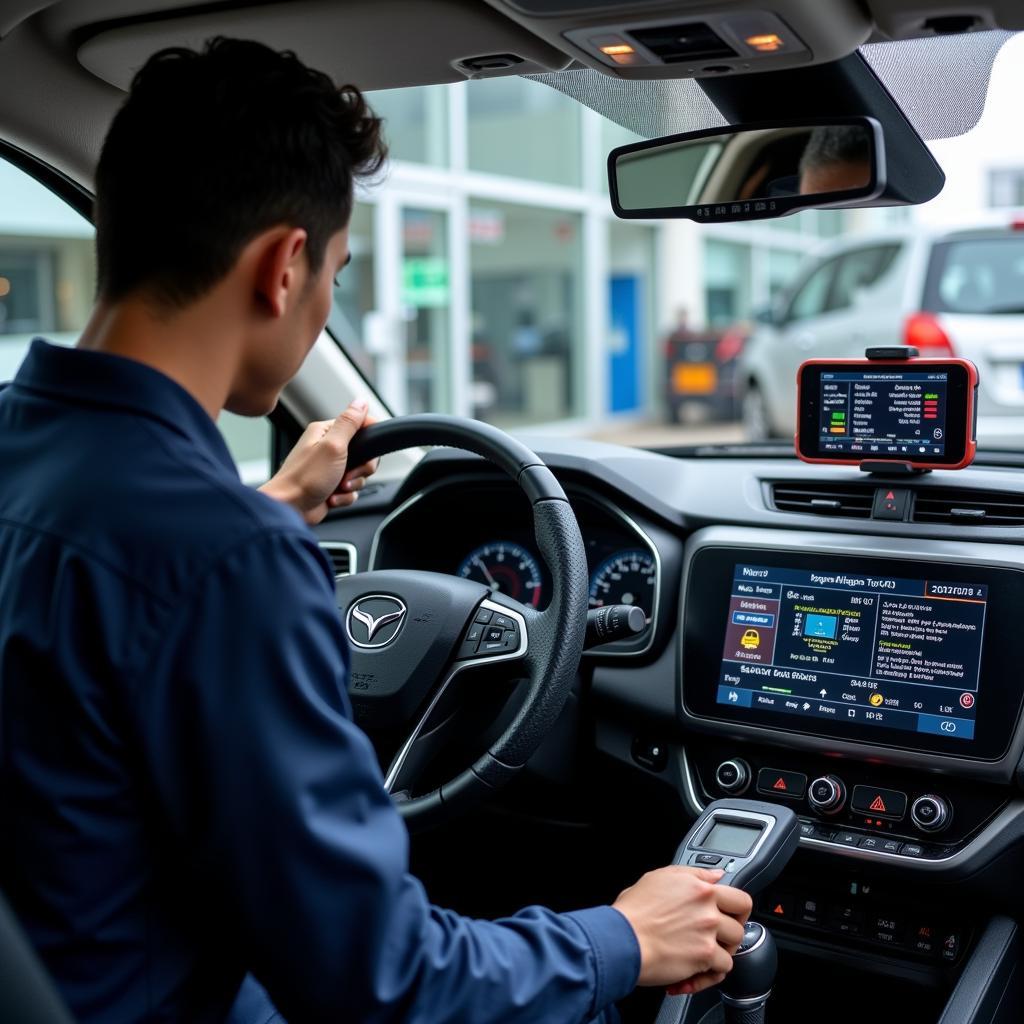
{"x": 875, "y": 700}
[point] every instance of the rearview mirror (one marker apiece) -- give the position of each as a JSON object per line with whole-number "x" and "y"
{"x": 749, "y": 172}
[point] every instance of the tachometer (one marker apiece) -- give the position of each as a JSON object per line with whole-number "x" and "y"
{"x": 507, "y": 567}
{"x": 627, "y": 577}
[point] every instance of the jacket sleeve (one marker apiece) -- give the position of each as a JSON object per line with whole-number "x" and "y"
{"x": 277, "y": 797}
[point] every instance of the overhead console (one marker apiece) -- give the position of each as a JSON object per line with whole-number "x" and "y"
{"x": 855, "y": 645}
{"x": 693, "y": 39}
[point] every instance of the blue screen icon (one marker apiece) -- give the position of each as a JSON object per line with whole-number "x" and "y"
{"x": 821, "y": 625}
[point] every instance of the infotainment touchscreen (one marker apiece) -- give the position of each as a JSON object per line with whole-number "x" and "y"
{"x": 855, "y": 648}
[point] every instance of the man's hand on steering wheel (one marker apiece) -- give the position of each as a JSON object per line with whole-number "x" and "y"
{"x": 315, "y": 477}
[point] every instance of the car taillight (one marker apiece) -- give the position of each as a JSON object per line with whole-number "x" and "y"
{"x": 924, "y": 332}
{"x": 729, "y": 346}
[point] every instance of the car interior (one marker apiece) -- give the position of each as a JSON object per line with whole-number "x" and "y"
{"x": 546, "y": 744}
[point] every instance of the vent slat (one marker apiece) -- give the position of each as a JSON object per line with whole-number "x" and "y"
{"x": 968, "y": 507}
{"x": 342, "y": 556}
{"x": 850, "y": 500}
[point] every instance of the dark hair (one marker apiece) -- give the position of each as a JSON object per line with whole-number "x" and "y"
{"x": 213, "y": 147}
{"x": 836, "y": 144}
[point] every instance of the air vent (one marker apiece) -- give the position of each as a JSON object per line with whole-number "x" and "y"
{"x": 342, "y": 556}
{"x": 825, "y": 499}
{"x": 968, "y": 507}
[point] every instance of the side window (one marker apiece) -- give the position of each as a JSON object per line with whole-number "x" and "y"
{"x": 47, "y": 285}
{"x": 810, "y": 297}
{"x": 858, "y": 271}
{"x": 47, "y": 268}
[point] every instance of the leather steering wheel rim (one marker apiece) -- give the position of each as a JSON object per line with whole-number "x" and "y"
{"x": 555, "y": 636}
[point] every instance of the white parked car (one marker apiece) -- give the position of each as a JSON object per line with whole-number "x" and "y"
{"x": 945, "y": 292}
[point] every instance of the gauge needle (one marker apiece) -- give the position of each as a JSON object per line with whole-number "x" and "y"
{"x": 490, "y": 579}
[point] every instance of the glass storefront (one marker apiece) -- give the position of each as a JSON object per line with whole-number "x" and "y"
{"x": 426, "y": 309}
{"x": 523, "y": 129}
{"x": 526, "y": 298}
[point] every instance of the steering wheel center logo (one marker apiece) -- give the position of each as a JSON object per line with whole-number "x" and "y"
{"x": 374, "y": 621}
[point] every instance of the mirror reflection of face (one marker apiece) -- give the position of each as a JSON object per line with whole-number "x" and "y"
{"x": 841, "y": 176}
{"x": 837, "y": 158}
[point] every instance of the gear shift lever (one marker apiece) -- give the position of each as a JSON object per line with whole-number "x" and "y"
{"x": 748, "y": 985}
{"x": 752, "y": 842}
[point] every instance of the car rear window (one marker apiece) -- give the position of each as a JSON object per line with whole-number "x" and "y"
{"x": 978, "y": 275}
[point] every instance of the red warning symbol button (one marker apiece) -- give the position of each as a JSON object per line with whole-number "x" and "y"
{"x": 780, "y": 783}
{"x": 873, "y": 800}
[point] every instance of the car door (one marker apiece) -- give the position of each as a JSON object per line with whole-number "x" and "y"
{"x": 836, "y": 313}
{"x": 794, "y": 338}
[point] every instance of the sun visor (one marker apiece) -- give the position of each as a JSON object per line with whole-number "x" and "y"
{"x": 375, "y": 44}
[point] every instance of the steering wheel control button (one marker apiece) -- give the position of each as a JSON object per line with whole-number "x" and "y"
{"x": 474, "y": 634}
{"x": 492, "y": 634}
{"x": 733, "y": 776}
{"x": 879, "y": 803}
{"x": 707, "y": 860}
{"x": 484, "y": 616}
{"x": 789, "y": 785}
{"x": 827, "y": 795}
{"x": 930, "y": 813}
{"x": 468, "y": 649}
{"x": 503, "y": 622}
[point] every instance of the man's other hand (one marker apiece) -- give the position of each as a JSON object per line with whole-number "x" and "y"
{"x": 687, "y": 927}
{"x": 316, "y": 477}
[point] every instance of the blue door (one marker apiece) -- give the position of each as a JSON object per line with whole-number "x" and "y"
{"x": 624, "y": 357}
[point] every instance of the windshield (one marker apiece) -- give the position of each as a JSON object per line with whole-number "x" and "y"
{"x": 491, "y": 279}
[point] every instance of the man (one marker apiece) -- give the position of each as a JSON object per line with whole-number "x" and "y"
{"x": 185, "y": 796}
{"x": 837, "y": 158}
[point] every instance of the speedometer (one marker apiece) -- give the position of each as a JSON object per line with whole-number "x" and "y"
{"x": 507, "y": 567}
{"x": 627, "y": 577}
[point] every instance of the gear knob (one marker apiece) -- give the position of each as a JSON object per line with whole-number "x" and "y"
{"x": 749, "y": 984}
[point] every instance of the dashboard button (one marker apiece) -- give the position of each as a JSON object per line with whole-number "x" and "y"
{"x": 847, "y": 920}
{"x": 846, "y": 838}
{"x": 950, "y": 945}
{"x": 708, "y": 860}
{"x": 807, "y": 828}
{"x": 870, "y": 843}
{"x": 882, "y": 803}
{"x": 912, "y": 850}
{"x": 772, "y": 782}
{"x": 733, "y": 776}
{"x": 891, "y": 845}
{"x": 923, "y": 938}
{"x": 807, "y": 911}
{"x": 930, "y": 813}
{"x": 779, "y": 904}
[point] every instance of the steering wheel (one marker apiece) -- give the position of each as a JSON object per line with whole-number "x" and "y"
{"x": 412, "y": 632}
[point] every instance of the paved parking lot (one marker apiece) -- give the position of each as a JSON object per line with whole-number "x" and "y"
{"x": 665, "y": 435}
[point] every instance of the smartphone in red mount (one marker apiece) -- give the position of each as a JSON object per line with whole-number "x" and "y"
{"x": 919, "y": 413}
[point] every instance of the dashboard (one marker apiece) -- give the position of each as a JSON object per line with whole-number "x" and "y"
{"x": 481, "y": 530}
{"x": 849, "y": 655}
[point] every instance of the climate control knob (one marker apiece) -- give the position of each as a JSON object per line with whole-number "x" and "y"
{"x": 827, "y": 794}
{"x": 930, "y": 813}
{"x": 733, "y": 776}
